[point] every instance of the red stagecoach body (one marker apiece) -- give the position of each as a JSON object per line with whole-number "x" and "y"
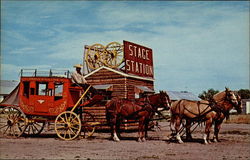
{"x": 47, "y": 96}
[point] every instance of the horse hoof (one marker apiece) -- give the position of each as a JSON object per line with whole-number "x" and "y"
{"x": 143, "y": 139}
{"x": 180, "y": 142}
{"x": 139, "y": 140}
{"x": 116, "y": 140}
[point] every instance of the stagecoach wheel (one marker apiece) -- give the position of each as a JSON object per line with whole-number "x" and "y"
{"x": 67, "y": 125}
{"x": 114, "y": 55}
{"x": 12, "y": 122}
{"x": 94, "y": 56}
{"x": 88, "y": 124}
{"x": 33, "y": 127}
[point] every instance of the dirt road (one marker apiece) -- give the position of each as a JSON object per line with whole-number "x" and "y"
{"x": 235, "y": 144}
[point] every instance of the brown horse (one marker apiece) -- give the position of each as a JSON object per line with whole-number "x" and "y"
{"x": 198, "y": 111}
{"x": 142, "y": 110}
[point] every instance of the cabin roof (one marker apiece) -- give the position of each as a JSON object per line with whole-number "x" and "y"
{"x": 176, "y": 95}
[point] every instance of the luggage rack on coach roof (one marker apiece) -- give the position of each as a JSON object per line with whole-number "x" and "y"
{"x": 40, "y": 73}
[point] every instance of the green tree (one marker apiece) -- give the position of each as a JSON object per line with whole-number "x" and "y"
{"x": 244, "y": 93}
{"x": 208, "y": 95}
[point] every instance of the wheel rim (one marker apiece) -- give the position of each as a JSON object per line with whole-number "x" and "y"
{"x": 114, "y": 55}
{"x": 67, "y": 125}
{"x": 94, "y": 56}
{"x": 88, "y": 124}
{"x": 12, "y": 122}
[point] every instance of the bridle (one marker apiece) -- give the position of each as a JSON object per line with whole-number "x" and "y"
{"x": 214, "y": 104}
{"x": 165, "y": 100}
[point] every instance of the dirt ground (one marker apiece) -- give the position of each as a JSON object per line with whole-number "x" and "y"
{"x": 235, "y": 144}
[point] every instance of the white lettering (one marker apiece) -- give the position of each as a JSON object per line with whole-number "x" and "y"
{"x": 139, "y": 53}
{"x": 140, "y": 67}
{"x": 135, "y": 50}
{"x": 136, "y": 67}
{"x": 147, "y": 54}
{"x": 132, "y": 63}
{"x": 127, "y": 64}
{"x": 130, "y": 49}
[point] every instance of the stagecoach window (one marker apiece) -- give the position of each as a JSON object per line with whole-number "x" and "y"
{"x": 26, "y": 86}
{"x": 58, "y": 90}
{"x": 42, "y": 88}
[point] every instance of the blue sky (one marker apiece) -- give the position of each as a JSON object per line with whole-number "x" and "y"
{"x": 196, "y": 45}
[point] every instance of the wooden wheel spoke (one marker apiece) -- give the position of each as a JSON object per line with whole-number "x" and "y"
{"x": 73, "y": 131}
{"x": 59, "y": 128}
{"x": 33, "y": 129}
{"x": 75, "y": 128}
{"x": 3, "y": 126}
{"x": 65, "y": 133}
{"x": 69, "y": 134}
{"x": 6, "y": 129}
{"x": 13, "y": 131}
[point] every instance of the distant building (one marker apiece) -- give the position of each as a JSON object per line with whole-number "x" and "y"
{"x": 245, "y": 106}
{"x": 6, "y": 86}
{"x": 176, "y": 95}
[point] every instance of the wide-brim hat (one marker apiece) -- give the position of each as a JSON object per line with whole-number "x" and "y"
{"x": 78, "y": 66}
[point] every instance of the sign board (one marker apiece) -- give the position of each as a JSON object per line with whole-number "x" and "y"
{"x": 138, "y": 59}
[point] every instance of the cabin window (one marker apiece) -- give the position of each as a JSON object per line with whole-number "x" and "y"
{"x": 26, "y": 86}
{"x": 58, "y": 90}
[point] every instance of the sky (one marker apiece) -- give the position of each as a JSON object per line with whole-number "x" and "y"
{"x": 196, "y": 45}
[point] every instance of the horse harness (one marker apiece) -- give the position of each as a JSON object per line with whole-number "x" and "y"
{"x": 201, "y": 115}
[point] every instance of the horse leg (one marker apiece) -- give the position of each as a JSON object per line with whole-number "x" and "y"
{"x": 177, "y": 127}
{"x": 188, "y": 132}
{"x": 217, "y": 127}
{"x": 118, "y": 124}
{"x": 209, "y": 123}
{"x": 113, "y": 124}
{"x": 140, "y": 130}
{"x": 172, "y": 125}
{"x": 146, "y": 128}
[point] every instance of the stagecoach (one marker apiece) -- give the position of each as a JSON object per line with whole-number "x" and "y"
{"x": 47, "y": 97}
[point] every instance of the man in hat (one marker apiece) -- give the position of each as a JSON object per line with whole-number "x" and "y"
{"x": 77, "y": 77}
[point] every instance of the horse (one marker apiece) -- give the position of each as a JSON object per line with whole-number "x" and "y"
{"x": 198, "y": 111}
{"x": 218, "y": 121}
{"x": 142, "y": 110}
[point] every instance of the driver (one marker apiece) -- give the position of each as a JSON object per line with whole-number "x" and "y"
{"x": 78, "y": 79}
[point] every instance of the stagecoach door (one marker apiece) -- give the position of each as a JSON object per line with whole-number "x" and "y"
{"x": 41, "y": 96}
